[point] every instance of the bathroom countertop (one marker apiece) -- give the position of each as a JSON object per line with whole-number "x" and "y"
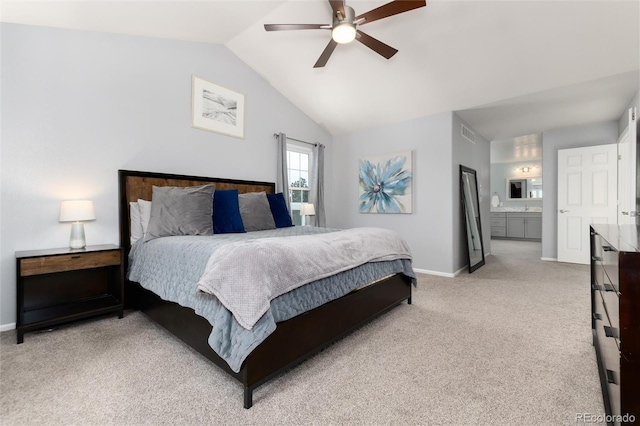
{"x": 516, "y": 209}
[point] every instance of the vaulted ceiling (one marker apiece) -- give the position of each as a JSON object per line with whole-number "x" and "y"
{"x": 509, "y": 68}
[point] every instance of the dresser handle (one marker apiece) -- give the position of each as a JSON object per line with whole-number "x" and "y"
{"x": 611, "y": 332}
{"x": 77, "y": 256}
{"x": 606, "y": 287}
{"x": 608, "y": 248}
{"x": 611, "y": 378}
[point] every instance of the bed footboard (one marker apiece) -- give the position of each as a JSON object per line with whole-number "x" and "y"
{"x": 293, "y": 341}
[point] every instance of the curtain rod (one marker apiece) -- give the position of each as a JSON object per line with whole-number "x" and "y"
{"x": 275, "y": 135}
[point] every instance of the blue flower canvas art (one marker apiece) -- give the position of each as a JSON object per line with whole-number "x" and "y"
{"x": 385, "y": 183}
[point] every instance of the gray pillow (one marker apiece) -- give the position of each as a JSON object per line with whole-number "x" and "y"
{"x": 255, "y": 211}
{"x": 181, "y": 211}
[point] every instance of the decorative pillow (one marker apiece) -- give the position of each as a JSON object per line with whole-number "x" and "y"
{"x": 226, "y": 212}
{"x": 145, "y": 214}
{"x": 279, "y": 210}
{"x": 136, "y": 224}
{"x": 255, "y": 211}
{"x": 180, "y": 211}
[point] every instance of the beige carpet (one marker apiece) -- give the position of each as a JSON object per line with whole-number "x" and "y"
{"x": 509, "y": 344}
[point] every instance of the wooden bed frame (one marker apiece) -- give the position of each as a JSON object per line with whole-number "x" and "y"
{"x": 294, "y": 340}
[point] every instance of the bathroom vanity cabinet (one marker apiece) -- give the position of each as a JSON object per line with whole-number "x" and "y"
{"x": 516, "y": 225}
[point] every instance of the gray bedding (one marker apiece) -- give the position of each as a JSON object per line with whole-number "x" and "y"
{"x": 172, "y": 266}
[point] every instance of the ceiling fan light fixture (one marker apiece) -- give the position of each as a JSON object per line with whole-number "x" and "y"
{"x": 343, "y": 33}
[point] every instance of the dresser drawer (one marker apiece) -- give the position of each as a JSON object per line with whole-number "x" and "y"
{"x": 498, "y": 215}
{"x": 600, "y": 314}
{"x": 68, "y": 262}
{"x": 613, "y": 388}
{"x": 601, "y": 278}
{"x": 612, "y": 306}
{"x": 608, "y": 347}
{"x": 610, "y": 264}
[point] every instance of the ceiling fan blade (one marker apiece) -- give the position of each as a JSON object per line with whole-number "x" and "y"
{"x": 390, "y": 9}
{"x": 322, "y": 60}
{"x": 283, "y": 27}
{"x": 376, "y": 45}
{"x": 337, "y": 6}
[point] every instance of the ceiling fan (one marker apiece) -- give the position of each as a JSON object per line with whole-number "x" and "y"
{"x": 344, "y": 27}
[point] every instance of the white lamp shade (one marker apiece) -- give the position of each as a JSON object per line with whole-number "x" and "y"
{"x": 77, "y": 211}
{"x": 307, "y": 209}
{"x": 344, "y": 33}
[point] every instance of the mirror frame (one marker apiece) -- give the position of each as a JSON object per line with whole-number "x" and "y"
{"x": 526, "y": 190}
{"x": 465, "y": 210}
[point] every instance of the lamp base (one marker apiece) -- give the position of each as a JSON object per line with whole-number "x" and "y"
{"x": 77, "y": 240}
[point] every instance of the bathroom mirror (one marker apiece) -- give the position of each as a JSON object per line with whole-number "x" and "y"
{"x": 524, "y": 188}
{"x": 471, "y": 208}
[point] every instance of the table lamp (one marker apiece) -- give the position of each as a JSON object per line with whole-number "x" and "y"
{"x": 307, "y": 209}
{"x": 77, "y": 211}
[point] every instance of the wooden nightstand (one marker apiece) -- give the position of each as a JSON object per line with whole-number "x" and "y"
{"x": 61, "y": 285}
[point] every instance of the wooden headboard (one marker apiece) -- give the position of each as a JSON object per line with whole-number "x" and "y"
{"x": 133, "y": 185}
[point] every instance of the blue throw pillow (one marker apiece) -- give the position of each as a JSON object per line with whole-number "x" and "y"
{"x": 226, "y": 212}
{"x": 279, "y": 210}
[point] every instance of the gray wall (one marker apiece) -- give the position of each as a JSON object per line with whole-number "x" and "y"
{"x": 622, "y": 124}
{"x": 478, "y": 157}
{"x": 500, "y": 172}
{"x": 434, "y": 230}
{"x": 552, "y": 141}
{"x": 428, "y": 229}
{"x": 77, "y": 106}
{"x": 624, "y": 119}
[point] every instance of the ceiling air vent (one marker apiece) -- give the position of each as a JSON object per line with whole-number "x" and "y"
{"x": 468, "y": 134}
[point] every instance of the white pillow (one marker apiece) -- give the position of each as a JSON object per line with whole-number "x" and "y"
{"x": 145, "y": 214}
{"x": 136, "y": 224}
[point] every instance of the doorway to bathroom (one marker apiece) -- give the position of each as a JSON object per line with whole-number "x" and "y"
{"x": 517, "y": 188}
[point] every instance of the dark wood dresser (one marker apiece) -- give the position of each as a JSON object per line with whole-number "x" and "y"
{"x": 615, "y": 319}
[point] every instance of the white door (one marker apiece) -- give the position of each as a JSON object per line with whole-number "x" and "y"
{"x": 587, "y": 193}
{"x": 627, "y": 191}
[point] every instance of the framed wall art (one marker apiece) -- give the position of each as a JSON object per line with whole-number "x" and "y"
{"x": 216, "y": 108}
{"x": 385, "y": 183}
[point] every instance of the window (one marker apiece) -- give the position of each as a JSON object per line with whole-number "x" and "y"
{"x": 298, "y": 166}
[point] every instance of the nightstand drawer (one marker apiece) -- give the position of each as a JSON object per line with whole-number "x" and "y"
{"x": 68, "y": 262}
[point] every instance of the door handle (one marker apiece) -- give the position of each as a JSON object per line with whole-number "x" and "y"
{"x": 625, "y": 213}
{"x": 564, "y": 211}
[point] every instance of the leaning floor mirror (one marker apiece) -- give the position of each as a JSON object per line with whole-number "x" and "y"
{"x": 471, "y": 208}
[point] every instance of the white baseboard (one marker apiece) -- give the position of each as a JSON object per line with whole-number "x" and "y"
{"x": 7, "y": 327}
{"x": 438, "y": 273}
{"x": 549, "y": 259}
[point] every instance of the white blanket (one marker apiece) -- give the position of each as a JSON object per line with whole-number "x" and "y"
{"x": 245, "y": 276}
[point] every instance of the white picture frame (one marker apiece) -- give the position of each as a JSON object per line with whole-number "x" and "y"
{"x": 216, "y": 108}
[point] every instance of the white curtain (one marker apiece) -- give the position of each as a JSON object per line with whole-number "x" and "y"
{"x": 282, "y": 176}
{"x": 317, "y": 185}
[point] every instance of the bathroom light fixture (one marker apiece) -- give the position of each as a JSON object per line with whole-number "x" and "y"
{"x": 77, "y": 211}
{"x": 526, "y": 169}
